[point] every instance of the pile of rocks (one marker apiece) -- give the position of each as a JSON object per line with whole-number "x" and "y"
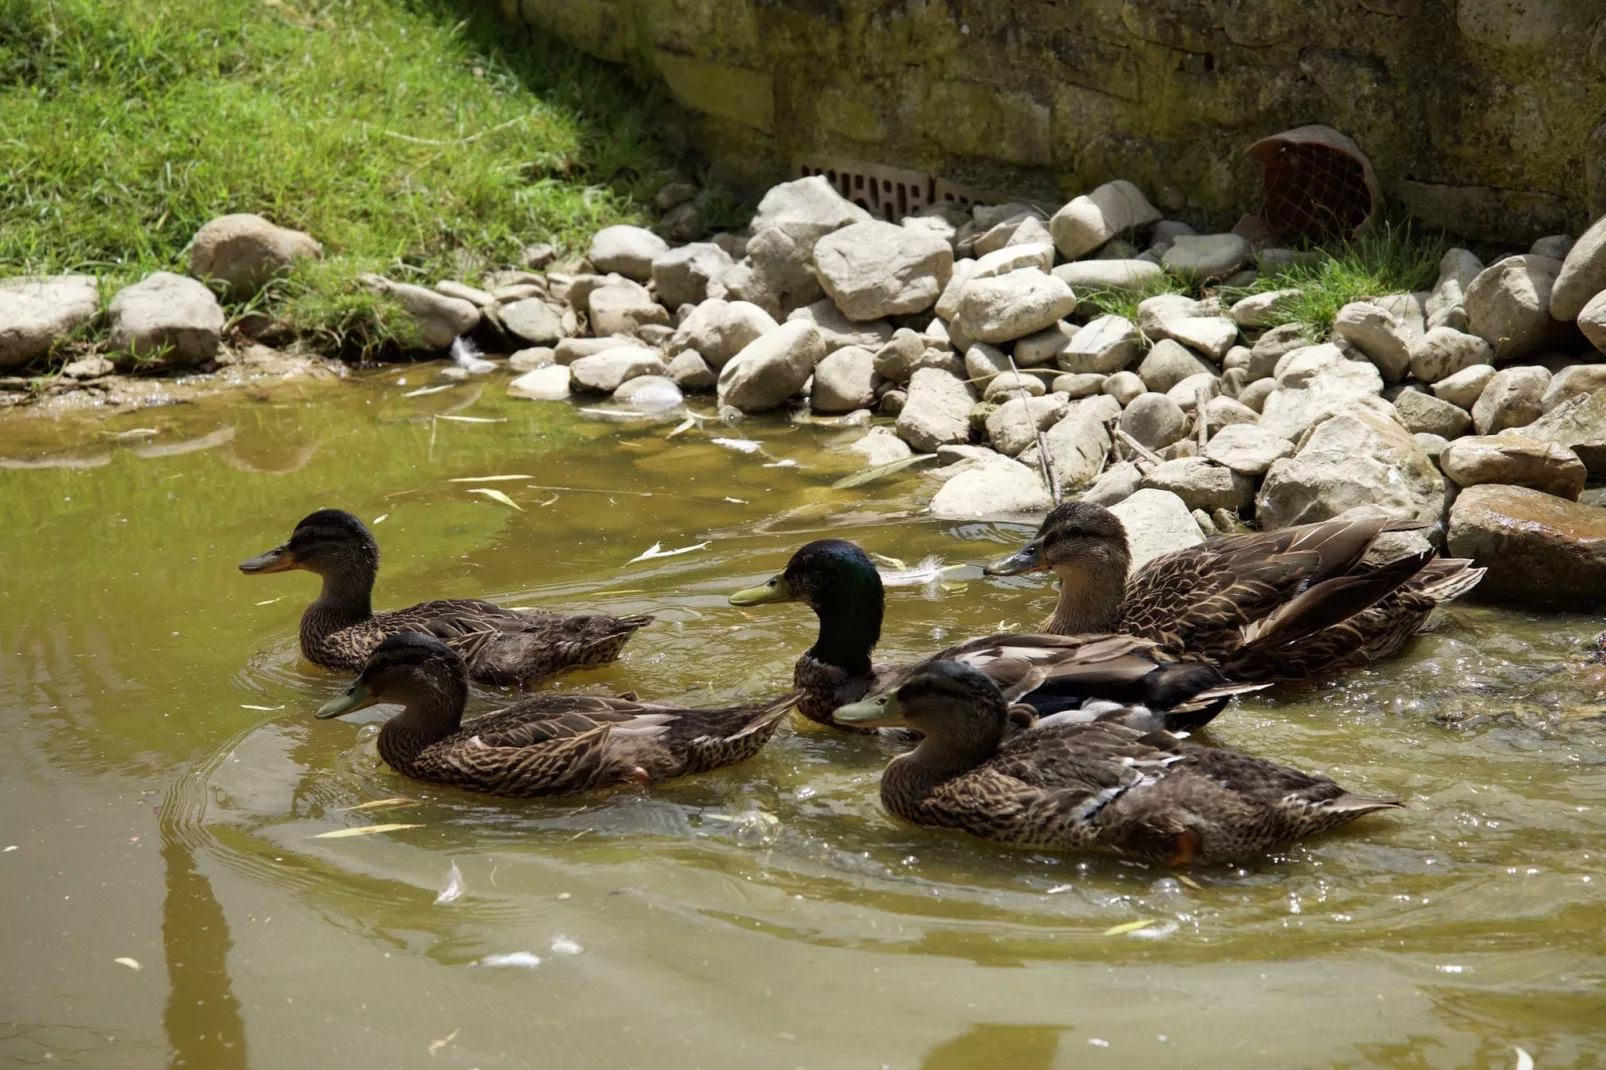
{"x": 965, "y": 328}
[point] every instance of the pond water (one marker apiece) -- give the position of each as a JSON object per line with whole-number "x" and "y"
{"x": 164, "y": 785}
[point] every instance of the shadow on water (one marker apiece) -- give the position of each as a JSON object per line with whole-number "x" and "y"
{"x": 1021, "y": 1047}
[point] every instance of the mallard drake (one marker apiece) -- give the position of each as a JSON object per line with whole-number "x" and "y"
{"x": 1100, "y": 784}
{"x": 550, "y": 744}
{"x": 1049, "y": 673}
{"x": 503, "y": 646}
{"x": 1282, "y": 605}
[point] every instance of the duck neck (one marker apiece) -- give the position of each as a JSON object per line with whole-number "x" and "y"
{"x": 850, "y": 627}
{"x": 346, "y": 599}
{"x": 428, "y": 716}
{"x": 947, "y": 751}
{"x": 1089, "y": 600}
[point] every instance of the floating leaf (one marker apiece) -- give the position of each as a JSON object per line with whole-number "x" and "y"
{"x": 740, "y": 445}
{"x": 486, "y": 479}
{"x": 136, "y": 432}
{"x": 1524, "y": 1060}
{"x": 260, "y": 709}
{"x": 133, "y": 964}
{"x": 270, "y": 601}
{"x": 381, "y": 518}
{"x": 473, "y": 419}
{"x": 685, "y": 425}
{"x": 1183, "y": 878}
{"x": 496, "y": 496}
{"x": 378, "y": 804}
{"x": 454, "y": 887}
{"x": 787, "y": 463}
{"x": 562, "y": 945}
{"x": 362, "y": 830}
{"x": 893, "y": 561}
{"x": 867, "y": 475}
{"x": 436, "y": 1045}
{"x": 657, "y": 550}
{"x": 529, "y": 960}
{"x": 425, "y": 390}
{"x": 736, "y": 501}
{"x": 1130, "y": 926}
{"x": 550, "y": 501}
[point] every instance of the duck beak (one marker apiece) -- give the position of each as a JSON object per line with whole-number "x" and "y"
{"x": 1027, "y": 559}
{"x": 357, "y": 697}
{"x": 278, "y": 559}
{"x": 872, "y": 712}
{"x": 775, "y": 589}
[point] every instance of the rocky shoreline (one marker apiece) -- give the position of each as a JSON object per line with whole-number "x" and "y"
{"x": 1476, "y": 409}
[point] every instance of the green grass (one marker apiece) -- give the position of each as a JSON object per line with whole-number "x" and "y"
{"x": 1124, "y": 302}
{"x": 1392, "y": 258}
{"x": 420, "y": 139}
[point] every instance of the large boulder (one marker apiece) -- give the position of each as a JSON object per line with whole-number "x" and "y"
{"x": 1579, "y": 424}
{"x": 844, "y": 380}
{"x": 1357, "y": 457}
{"x": 994, "y": 487}
{"x": 1571, "y": 381}
{"x": 778, "y": 272}
{"x": 549, "y": 383}
{"x": 1195, "y": 324}
{"x": 1582, "y": 274}
{"x": 1169, "y": 363}
{"x": 836, "y": 330}
{"x": 1379, "y": 334}
{"x": 1207, "y": 256}
{"x": 691, "y": 372}
{"x": 1247, "y": 449}
{"x": 1539, "y": 549}
{"x": 1511, "y": 399}
{"x": 1013, "y": 426}
{"x": 1157, "y": 522}
{"x": 1078, "y": 443}
{"x": 810, "y": 205}
{"x": 439, "y": 319}
{"x": 604, "y": 372}
{"x": 1109, "y": 274}
{"x": 1089, "y": 221}
{"x": 772, "y": 367}
{"x": 1045, "y": 346}
{"x": 1443, "y": 351}
{"x": 533, "y": 322}
{"x": 1446, "y": 305}
{"x": 1005, "y": 307}
{"x": 718, "y": 330}
{"x": 936, "y": 412}
{"x": 1202, "y": 484}
{"x": 1514, "y": 459}
{"x": 682, "y": 275}
{"x": 624, "y": 308}
{"x": 243, "y": 251}
{"x": 1105, "y": 345}
{"x": 1592, "y": 321}
{"x": 35, "y": 312}
{"x": 628, "y": 250}
{"x": 176, "y": 318}
{"x": 877, "y": 269}
{"x": 1422, "y": 413}
{"x": 649, "y": 393}
{"x": 1508, "y": 305}
{"x": 1313, "y": 383}
{"x": 1465, "y": 387}
{"x": 1154, "y": 420}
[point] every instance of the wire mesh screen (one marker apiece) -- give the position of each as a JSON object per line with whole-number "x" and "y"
{"x": 1319, "y": 185}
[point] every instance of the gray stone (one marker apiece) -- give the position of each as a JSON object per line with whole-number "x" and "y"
{"x": 244, "y": 251}
{"x": 893, "y": 401}
{"x": 1465, "y": 387}
{"x": 1579, "y": 424}
{"x": 1571, "y": 381}
{"x": 1079, "y": 442}
{"x": 439, "y": 319}
{"x": 1263, "y": 309}
{"x": 1022, "y": 228}
{"x": 626, "y": 249}
{"x": 875, "y": 269}
{"x": 896, "y": 359}
{"x": 1237, "y": 357}
{"x": 1508, "y": 305}
{"x": 772, "y": 367}
{"x": 691, "y": 372}
{"x": 1109, "y": 274}
{"x": 1254, "y": 395}
{"x": 1511, "y": 399}
{"x": 1118, "y": 483}
{"x": 1013, "y": 426}
{"x": 983, "y": 362}
{"x": 735, "y": 245}
{"x": 881, "y": 445}
{"x": 844, "y": 381}
{"x": 1377, "y": 333}
{"x": 1554, "y": 246}
{"x": 621, "y": 308}
{"x": 1247, "y": 448}
{"x": 1089, "y": 221}
{"x": 778, "y": 273}
{"x": 527, "y": 360}
{"x": 533, "y": 321}
{"x": 937, "y": 411}
{"x": 1154, "y": 420}
{"x": 1582, "y": 274}
{"x": 1045, "y": 346}
{"x": 682, "y": 275}
{"x": 1272, "y": 346}
{"x": 649, "y": 393}
{"x": 810, "y": 204}
{"x": 1422, "y": 412}
{"x": 1168, "y": 363}
{"x": 35, "y": 312}
{"x": 1446, "y": 306}
{"x": 1410, "y": 309}
{"x": 1539, "y": 549}
{"x": 604, "y": 372}
{"x": 1079, "y": 384}
{"x": 91, "y": 367}
{"x": 1157, "y": 522}
{"x": 550, "y": 383}
{"x": 1124, "y": 387}
{"x": 932, "y": 226}
{"x": 1443, "y": 351}
{"x": 1105, "y": 345}
{"x": 1167, "y": 231}
{"x": 1005, "y": 307}
{"x": 1517, "y": 460}
{"x": 572, "y": 349}
{"x": 537, "y": 256}
{"x": 1010, "y": 384}
{"x": 718, "y": 330}
{"x": 1202, "y": 484}
{"x": 1187, "y": 321}
{"x": 1431, "y": 444}
{"x": 176, "y": 316}
{"x": 836, "y": 330}
{"x": 1224, "y": 412}
{"x": 1356, "y": 457}
{"x": 1206, "y": 256}
{"x": 1312, "y": 384}
{"x": 1186, "y": 393}
{"x": 995, "y": 487}
{"x": 1592, "y": 321}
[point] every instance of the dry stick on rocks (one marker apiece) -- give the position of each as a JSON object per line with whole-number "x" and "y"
{"x": 1201, "y": 396}
{"x": 1045, "y": 463}
{"x": 1143, "y": 452}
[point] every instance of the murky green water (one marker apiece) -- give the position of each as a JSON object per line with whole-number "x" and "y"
{"x": 163, "y": 783}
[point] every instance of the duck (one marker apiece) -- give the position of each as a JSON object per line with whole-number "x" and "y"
{"x": 503, "y": 646}
{"x": 1043, "y": 675}
{"x": 557, "y": 743}
{"x": 1081, "y": 786}
{"x": 1282, "y": 606}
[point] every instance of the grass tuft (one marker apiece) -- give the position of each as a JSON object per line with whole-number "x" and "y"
{"x": 1123, "y": 302}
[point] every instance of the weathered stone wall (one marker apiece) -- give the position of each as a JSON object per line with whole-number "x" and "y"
{"x": 1487, "y": 117}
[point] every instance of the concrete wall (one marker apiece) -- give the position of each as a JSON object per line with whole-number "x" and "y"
{"x": 1487, "y": 117}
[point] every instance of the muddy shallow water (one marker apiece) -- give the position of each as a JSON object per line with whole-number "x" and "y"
{"x": 164, "y": 782}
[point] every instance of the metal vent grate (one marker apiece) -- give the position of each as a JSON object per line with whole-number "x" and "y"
{"x": 889, "y": 193}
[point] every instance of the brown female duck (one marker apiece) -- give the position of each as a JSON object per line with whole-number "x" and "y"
{"x": 551, "y": 744}
{"x": 1063, "y": 786}
{"x": 503, "y": 646}
{"x": 1284, "y": 605}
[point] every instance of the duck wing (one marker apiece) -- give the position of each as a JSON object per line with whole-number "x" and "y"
{"x": 504, "y": 646}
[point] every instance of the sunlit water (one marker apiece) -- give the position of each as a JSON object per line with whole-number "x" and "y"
{"x": 164, "y": 783}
